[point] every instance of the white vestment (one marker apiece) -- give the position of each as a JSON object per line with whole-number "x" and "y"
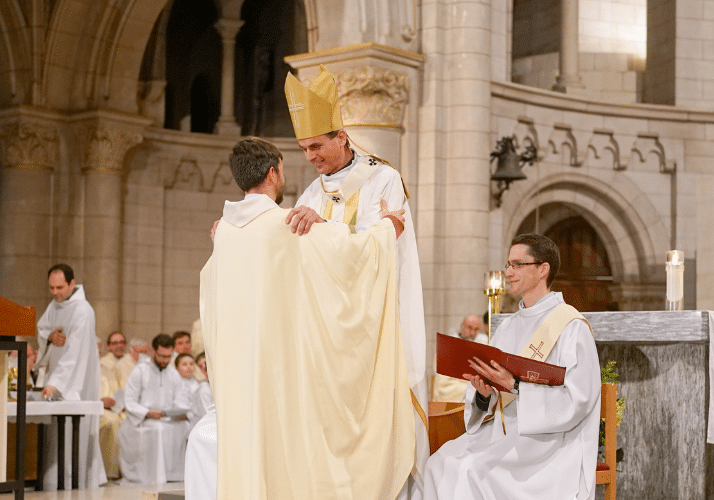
{"x": 201, "y": 459}
{"x": 152, "y": 451}
{"x": 549, "y": 450}
{"x": 305, "y": 359}
{"x": 74, "y": 370}
{"x": 202, "y": 400}
{"x": 385, "y": 183}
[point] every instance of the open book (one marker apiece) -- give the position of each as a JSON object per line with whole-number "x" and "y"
{"x": 453, "y": 354}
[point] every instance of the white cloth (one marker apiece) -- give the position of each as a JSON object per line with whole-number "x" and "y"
{"x": 152, "y": 451}
{"x": 202, "y": 400}
{"x": 74, "y": 370}
{"x": 550, "y": 449}
{"x": 201, "y": 458}
{"x": 386, "y": 183}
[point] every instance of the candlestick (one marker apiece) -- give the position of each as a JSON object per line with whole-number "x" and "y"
{"x": 674, "y": 300}
{"x": 494, "y": 287}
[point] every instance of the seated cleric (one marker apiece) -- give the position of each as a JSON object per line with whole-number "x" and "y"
{"x": 543, "y": 445}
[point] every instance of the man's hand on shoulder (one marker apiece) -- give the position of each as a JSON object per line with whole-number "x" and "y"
{"x": 301, "y": 219}
{"x": 213, "y": 230}
{"x": 397, "y": 217}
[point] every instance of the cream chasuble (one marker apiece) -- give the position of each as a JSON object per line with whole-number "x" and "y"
{"x": 371, "y": 181}
{"x": 305, "y": 359}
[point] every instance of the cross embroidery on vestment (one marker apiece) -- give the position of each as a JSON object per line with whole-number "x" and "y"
{"x": 336, "y": 199}
{"x": 372, "y": 161}
{"x": 536, "y": 351}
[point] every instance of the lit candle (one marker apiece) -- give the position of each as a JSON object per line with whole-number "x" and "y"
{"x": 494, "y": 282}
{"x": 675, "y": 280}
{"x": 494, "y": 287}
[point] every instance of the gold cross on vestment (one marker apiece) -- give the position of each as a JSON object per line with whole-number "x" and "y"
{"x": 536, "y": 351}
{"x": 294, "y": 107}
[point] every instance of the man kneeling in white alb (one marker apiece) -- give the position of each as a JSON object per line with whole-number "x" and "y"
{"x": 543, "y": 445}
{"x": 152, "y": 439}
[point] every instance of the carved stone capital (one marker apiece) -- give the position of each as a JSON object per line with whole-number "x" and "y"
{"x": 372, "y": 96}
{"x": 105, "y": 146}
{"x": 28, "y": 145}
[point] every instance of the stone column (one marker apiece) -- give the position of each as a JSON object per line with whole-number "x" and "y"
{"x": 228, "y": 29}
{"x": 29, "y": 147}
{"x": 104, "y": 144}
{"x": 375, "y": 85}
{"x": 569, "y": 76}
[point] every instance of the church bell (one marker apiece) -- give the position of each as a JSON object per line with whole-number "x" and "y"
{"x": 509, "y": 167}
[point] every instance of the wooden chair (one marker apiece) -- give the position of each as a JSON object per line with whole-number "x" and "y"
{"x": 607, "y": 471}
{"x": 446, "y": 422}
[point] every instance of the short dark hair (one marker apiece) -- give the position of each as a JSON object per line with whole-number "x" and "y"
{"x": 162, "y": 340}
{"x": 542, "y": 249}
{"x": 179, "y": 334}
{"x": 202, "y": 354}
{"x": 109, "y": 337}
{"x": 251, "y": 160}
{"x": 66, "y": 270}
{"x": 180, "y": 357}
{"x": 332, "y": 134}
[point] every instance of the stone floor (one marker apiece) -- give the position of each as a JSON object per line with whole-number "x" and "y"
{"x": 111, "y": 492}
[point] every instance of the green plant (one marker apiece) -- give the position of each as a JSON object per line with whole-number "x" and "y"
{"x": 608, "y": 375}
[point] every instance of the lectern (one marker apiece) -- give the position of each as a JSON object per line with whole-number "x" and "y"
{"x": 15, "y": 321}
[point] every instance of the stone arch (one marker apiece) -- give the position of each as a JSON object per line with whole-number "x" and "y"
{"x": 105, "y": 43}
{"x": 15, "y": 66}
{"x": 634, "y": 236}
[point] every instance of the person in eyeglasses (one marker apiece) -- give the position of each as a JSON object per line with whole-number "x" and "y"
{"x": 536, "y": 441}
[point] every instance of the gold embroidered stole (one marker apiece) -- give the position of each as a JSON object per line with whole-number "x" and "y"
{"x": 348, "y": 192}
{"x": 543, "y": 340}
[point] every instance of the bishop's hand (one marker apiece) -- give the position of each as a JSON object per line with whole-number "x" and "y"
{"x": 397, "y": 217}
{"x": 300, "y": 219}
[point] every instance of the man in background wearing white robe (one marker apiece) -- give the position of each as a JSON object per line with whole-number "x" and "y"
{"x": 152, "y": 438}
{"x": 322, "y": 411}
{"x": 449, "y": 389}
{"x": 542, "y": 446}
{"x": 67, "y": 349}
{"x": 349, "y": 189}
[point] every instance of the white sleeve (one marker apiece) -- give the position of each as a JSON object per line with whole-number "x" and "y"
{"x": 544, "y": 409}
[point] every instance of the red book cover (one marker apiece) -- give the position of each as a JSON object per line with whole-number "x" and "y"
{"x": 453, "y": 354}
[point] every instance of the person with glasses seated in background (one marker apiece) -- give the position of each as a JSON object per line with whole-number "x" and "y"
{"x": 535, "y": 441}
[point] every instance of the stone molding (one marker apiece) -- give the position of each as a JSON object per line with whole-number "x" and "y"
{"x": 28, "y": 145}
{"x": 371, "y": 96}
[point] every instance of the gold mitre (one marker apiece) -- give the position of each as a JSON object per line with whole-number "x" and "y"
{"x": 315, "y": 110}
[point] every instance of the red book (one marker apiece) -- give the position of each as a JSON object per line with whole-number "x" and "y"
{"x": 453, "y": 354}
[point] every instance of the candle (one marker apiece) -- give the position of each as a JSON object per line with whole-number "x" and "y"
{"x": 494, "y": 283}
{"x": 675, "y": 280}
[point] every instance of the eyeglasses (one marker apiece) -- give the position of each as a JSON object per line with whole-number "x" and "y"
{"x": 518, "y": 265}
